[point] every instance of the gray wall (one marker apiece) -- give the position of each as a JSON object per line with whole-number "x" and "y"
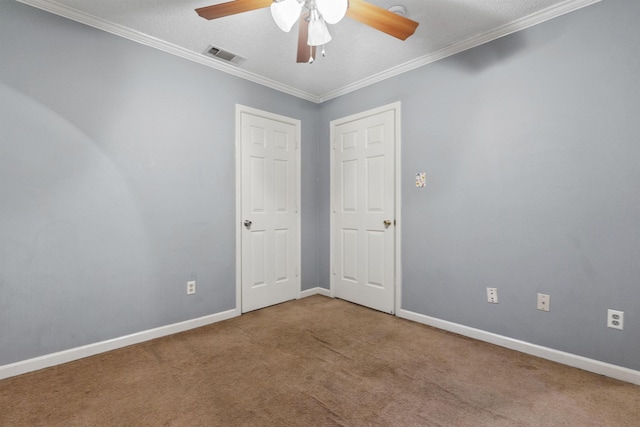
{"x": 531, "y": 147}
{"x": 117, "y": 184}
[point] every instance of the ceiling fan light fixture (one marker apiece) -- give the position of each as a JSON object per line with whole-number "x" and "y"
{"x": 286, "y": 13}
{"x": 332, "y": 10}
{"x": 318, "y": 33}
{"x": 398, "y": 9}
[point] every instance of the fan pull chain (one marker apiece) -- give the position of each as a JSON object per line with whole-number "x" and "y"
{"x": 323, "y": 52}
{"x": 310, "y": 54}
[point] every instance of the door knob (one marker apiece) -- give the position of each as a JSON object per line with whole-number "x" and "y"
{"x": 387, "y": 222}
{"x": 247, "y": 223}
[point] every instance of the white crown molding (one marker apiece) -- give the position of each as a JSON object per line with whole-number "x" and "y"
{"x": 119, "y": 30}
{"x": 613, "y": 371}
{"x": 53, "y": 359}
{"x": 145, "y": 39}
{"x": 504, "y": 30}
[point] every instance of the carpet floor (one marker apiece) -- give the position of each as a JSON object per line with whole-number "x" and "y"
{"x": 316, "y": 362}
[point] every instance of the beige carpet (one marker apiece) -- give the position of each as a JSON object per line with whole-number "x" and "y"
{"x": 316, "y": 361}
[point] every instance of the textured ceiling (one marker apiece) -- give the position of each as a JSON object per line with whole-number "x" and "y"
{"x": 357, "y": 55}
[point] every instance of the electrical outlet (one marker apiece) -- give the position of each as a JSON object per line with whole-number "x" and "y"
{"x": 492, "y": 295}
{"x": 615, "y": 319}
{"x": 191, "y": 287}
{"x": 543, "y": 302}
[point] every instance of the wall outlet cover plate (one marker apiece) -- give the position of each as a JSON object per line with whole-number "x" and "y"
{"x": 615, "y": 319}
{"x": 492, "y": 295}
{"x": 543, "y": 302}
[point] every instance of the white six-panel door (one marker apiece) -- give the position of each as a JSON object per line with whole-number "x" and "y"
{"x": 270, "y": 215}
{"x": 364, "y": 208}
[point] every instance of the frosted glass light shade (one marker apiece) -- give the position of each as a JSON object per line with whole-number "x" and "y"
{"x": 286, "y": 13}
{"x": 318, "y": 33}
{"x": 332, "y": 10}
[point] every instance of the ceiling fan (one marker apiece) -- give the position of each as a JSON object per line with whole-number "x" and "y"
{"x": 314, "y": 15}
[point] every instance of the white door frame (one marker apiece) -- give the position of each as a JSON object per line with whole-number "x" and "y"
{"x": 397, "y": 208}
{"x": 272, "y": 116}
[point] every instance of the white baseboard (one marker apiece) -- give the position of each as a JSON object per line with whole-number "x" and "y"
{"x": 53, "y": 359}
{"x": 591, "y": 365}
{"x": 315, "y": 291}
{"x": 72, "y": 354}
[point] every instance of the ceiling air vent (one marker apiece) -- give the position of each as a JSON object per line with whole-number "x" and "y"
{"x": 224, "y": 55}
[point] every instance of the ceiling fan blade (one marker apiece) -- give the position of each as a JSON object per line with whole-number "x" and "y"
{"x": 381, "y": 19}
{"x": 305, "y": 52}
{"x": 231, "y": 8}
